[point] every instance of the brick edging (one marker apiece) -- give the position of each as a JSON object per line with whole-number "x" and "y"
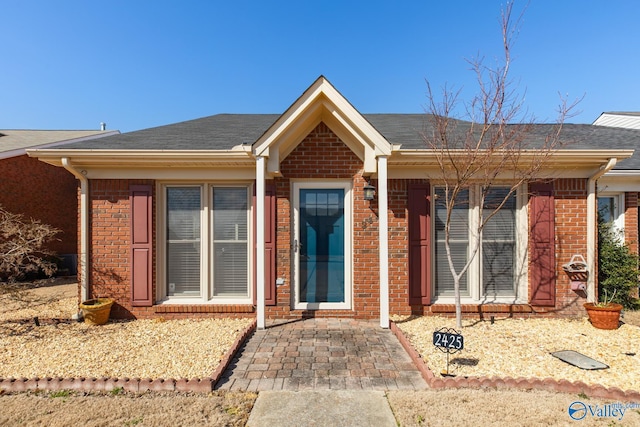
{"x": 135, "y": 385}
{"x": 501, "y": 383}
{"x": 226, "y": 360}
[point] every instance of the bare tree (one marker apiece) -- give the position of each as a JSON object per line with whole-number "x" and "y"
{"x": 22, "y": 247}
{"x": 490, "y": 146}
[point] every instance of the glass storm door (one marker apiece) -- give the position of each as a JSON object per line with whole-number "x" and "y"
{"x": 321, "y": 248}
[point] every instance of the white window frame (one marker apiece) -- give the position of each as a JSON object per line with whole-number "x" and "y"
{"x": 348, "y": 242}
{"x": 474, "y": 272}
{"x": 618, "y": 210}
{"x": 206, "y": 245}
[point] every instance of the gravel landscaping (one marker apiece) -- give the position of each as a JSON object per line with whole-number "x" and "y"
{"x": 521, "y": 348}
{"x": 133, "y": 349}
{"x": 193, "y": 348}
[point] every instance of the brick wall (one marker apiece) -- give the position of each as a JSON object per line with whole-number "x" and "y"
{"x": 571, "y": 238}
{"x": 399, "y": 247}
{"x": 43, "y": 192}
{"x": 570, "y": 235}
{"x": 322, "y": 155}
{"x": 631, "y": 220}
{"x": 109, "y": 252}
{"x": 631, "y": 226}
{"x": 110, "y": 244}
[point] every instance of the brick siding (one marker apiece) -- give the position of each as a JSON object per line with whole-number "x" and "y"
{"x": 43, "y": 192}
{"x": 323, "y": 156}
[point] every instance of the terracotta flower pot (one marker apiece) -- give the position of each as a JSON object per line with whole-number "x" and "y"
{"x": 604, "y": 317}
{"x": 96, "y": 311}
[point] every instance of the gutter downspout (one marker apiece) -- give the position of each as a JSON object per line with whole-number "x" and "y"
{"x": 592, "y": 227}
{"x": 84, "y": 228}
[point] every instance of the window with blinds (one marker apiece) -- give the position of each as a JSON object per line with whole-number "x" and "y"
{"x": 210, "y": 260}
{"x": 230, "y": 242}
{"x": 183, "y": 241}
{"x": 494, "y": 273}
{"x": 499, "y": 244}
{"x": 458, "y": 242}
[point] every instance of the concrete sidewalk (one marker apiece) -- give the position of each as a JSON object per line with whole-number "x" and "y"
{"x": 339, "y": 408}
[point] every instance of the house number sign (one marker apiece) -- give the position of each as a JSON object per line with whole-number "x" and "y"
{"x": 448, "y": 340}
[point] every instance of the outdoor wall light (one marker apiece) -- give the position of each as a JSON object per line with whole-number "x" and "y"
{"x": 369, "y": 192}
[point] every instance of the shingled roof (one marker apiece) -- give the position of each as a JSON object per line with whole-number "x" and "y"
{"x": 225, "y": 131}
{"x": 14, "y": 142}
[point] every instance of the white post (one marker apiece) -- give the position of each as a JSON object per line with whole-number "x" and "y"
{"x": 84, "y": 228}
{"x": 260, "y": 193}
{"x": 383, "y": 221}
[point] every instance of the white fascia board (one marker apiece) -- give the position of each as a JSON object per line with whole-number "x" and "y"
{"x": 287, "y": 141}
{"x": 559, "y": 157}
{"x": 620, "y": 181}
{"x": 217, "y": 173}
{"x": 382, "y": 146}
{"x": 145, "y": 158}
{"x": 322, "y": 94}
{"x": 562, "y": 164}
{"x": 287, "y": 118}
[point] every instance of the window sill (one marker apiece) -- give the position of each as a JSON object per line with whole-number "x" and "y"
{"x": 480, "y": 308}
{"x": 199, "y": 301}
{"x": 203, "y": 308}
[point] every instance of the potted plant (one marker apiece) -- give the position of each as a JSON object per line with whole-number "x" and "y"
{"x": 604, "y": 314}
{"x": 96, "y": 311}
{"x": 617, "y": 278}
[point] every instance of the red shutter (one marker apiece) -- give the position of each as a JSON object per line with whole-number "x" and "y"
{"x": 542, "y": 241}
{"x": 419, "y": 244}
{"x": 140, "y": 198}
{"x": 269, "y": 245}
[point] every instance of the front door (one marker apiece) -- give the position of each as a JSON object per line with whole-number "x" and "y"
{"x": 322, "y": 246}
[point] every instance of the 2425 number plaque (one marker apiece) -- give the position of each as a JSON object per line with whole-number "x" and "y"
{"x": 448, "y": 340}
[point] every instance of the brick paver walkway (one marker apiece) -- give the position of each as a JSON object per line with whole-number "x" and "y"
{"x": 322, "y": 354}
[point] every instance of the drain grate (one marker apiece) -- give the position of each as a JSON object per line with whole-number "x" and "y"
{"x": 578, "y": 359}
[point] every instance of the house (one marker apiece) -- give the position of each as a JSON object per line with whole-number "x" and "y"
{"x": 266, "y": 216}
{"x": 621, "y": 119}
{"x": 41, "y": 191}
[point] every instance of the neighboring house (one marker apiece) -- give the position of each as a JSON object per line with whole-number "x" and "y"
{"x": 265, "y": 215}
{"x": 613, "y": 200}
{"x": 41, "y": 191}
{"x": 619, "y": 119}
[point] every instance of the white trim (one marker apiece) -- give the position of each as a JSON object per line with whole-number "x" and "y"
{"x": 321, "y": 102}
{"x": 474, "y": 272}
{"x": 210, "y": 173}
{"x": 592, "y": 224}
{"x": 348, "y": 243}
{"x": 206, "y": 245}
{"x": 260, "y": 243}
{"x": 619, "y": 209}
{"x": 84, "y": 227}
{"x": 522, "y": 244}
{"x": 383, "y": 220}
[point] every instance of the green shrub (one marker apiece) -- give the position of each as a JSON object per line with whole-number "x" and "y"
{"x": 617, "y": 268}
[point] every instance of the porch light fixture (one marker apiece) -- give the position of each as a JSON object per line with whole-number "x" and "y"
{"x": 369, "y": 192}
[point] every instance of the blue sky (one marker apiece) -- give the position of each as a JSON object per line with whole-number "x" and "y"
{"x": 138, "y": 64}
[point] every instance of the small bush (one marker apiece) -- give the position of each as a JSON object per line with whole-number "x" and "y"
{"x": 617, "y": 268}
{"x": 22, "y": 247}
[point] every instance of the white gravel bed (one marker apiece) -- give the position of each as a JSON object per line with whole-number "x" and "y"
{"x": 521, "y": 348}
{"x": 133, "y": 349}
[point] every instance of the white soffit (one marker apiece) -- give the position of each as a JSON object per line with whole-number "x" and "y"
{"x": 321, "y": 102}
